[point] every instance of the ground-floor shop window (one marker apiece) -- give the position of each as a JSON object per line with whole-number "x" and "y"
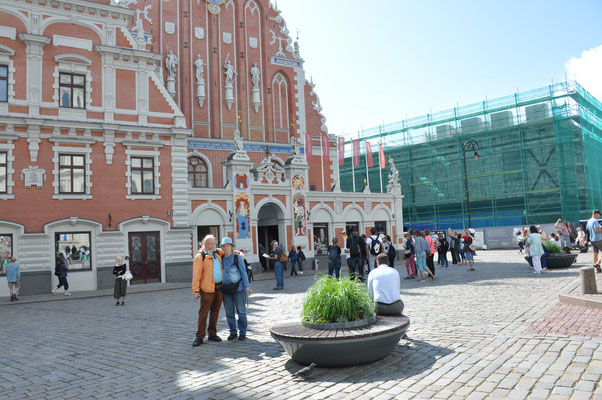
{"x": 6, "y": 251}
{"x": 350, "y": 226}
{"x": 204, "y": 230}
{"x": 381, "y": 227}
{"x": 321, "y": 239}
{"x": 76, "y": 248}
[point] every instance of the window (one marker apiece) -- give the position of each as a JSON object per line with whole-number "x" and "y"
{"x": 6, "y": 251}
{"x": 72, "y": 90}
{"x": 321, "y": 239}
{"x": 72, "y": 174}
{"x": 381, "y": 227}
{"x": 75, "y": 247}
{"x": 197, "y": 173}
{"x": 3, "y": 83}
{"x": 3, "y": 171}
{"x": 204, "y": 230}
{"x": 143, "y": 175}
{"x": 349, "y": 226}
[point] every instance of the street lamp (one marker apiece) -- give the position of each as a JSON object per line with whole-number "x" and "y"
{"x": 473, "y": 146}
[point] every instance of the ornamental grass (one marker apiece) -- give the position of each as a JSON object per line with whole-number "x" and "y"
{"x": 331, "y": 300}
{"x": 554, "y": 248}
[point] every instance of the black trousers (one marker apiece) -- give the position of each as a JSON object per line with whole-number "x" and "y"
{"x": 454, "y": 256}
{"x": 63, "y": 282}
{"x": 430, "y": 263}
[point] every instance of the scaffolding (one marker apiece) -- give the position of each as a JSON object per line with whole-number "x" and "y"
{"x": 539, "y": 160}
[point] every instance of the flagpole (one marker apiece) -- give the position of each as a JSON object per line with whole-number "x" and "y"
{"x": 380, "y": 171}
{"x": 366, "y": 159}
{"x": 353, "y": 164}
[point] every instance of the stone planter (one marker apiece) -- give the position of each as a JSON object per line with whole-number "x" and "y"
{"x": 341, "y": 347}
{"x": 558, "y": 260}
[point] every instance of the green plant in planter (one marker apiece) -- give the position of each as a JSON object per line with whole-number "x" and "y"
{"x": 337, "y": 300}
{"x": 554, "y": 248}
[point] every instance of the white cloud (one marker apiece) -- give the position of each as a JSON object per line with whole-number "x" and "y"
{"x": 587, "y": 70}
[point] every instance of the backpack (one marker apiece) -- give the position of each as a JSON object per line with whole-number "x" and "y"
{"x": 374, "y": 246}
{"x": 57, "y": 271}
{"x": 301, "y": 256}
{"x": 354, "y": 247}
{"x": 333, "y": 254}
{"x": 470, "y": 244}
{"x": 283, "y": 258}
{"x": 391, "y": 252}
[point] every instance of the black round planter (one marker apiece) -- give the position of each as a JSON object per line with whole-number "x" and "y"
{"x": 341, "y": 347}
{"x": 558, "y": 260}
{"x": 341, "y": 325}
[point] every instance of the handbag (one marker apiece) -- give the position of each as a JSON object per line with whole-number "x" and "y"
{"x": 128, "y": 275}
{"x": 283, "y": 258}
{"x": 230, "y": 288}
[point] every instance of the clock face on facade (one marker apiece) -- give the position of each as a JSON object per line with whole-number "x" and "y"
{"x": 213, "y": 5}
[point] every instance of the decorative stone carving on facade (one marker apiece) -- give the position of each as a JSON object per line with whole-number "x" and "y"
{"x": 268, "y": 171}
{"x": 297, "y": 158}
{"x": 317, "y": 106}
{"x": 368, "y": 207}
{"x": 229, "y": 88}
{"x": 213, "y": 6}
{"x": 227, "y": 37}
{"x": 338, "y": 207}
{"x": 200, "y": 80}
{"x": 33, "y": 176}
{"x": 171, "y": 63}
{"x": 199, "y": 33}
{"x": 394, "y": 186}
{"x": 239, "y": 152}
{"x": 255, "y": 78}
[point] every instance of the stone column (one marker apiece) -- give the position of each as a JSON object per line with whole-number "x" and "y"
{"x": 587, "y": 277}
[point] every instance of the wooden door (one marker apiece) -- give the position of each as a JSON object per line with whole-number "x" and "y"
{"x": 145, "y": 257}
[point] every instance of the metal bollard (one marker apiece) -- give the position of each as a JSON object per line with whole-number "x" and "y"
{"x": 316, "y": 264}
{"x": 587, "y": 277}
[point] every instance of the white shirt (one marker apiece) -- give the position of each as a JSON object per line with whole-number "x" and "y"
{"x": 347, "y": 254}
{"x": 383, "y": 284}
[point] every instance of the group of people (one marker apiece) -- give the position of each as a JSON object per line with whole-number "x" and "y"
{"x": 420, "y": 249}
{"x": 361, "y": 253}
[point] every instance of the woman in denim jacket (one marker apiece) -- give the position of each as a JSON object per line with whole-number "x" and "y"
{"x": 235, "y": 303}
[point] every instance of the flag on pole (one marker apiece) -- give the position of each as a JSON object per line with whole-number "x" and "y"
{"x": 381, "y": 156}
{"x": 369, "y": 158}
{"x": 326, "y": 150}
{"x": 341, "y": 151}
{"x": 356, "y": 153}
{"x": 308, "y": 147}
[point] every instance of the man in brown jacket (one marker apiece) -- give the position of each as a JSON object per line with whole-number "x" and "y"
{"x": 207, "y": 273}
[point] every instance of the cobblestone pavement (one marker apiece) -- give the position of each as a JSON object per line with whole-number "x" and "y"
{"x": 469, "y": 339}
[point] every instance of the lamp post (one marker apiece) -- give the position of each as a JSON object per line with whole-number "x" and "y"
{"x": 473, "y": 146}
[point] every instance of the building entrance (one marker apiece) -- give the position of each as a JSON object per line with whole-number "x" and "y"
{"x": 145, "y": 257}
{"x": 270, "y": 227}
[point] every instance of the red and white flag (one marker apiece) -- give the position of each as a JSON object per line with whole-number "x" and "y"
{"x": 381, "y": 156}
{"x": 308, "y": 147}
{"x": 326, "y": 150}
{"x": 369, "y": 158}
{"x": 341, "y": 151}
{"x": 356, "y": 152}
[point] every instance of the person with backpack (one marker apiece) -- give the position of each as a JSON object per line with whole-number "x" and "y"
{"x": 410, "y": 255}
{"x": 357, "y": 248}
{"x": 279, "y": 257}
{"x": 334, "y": 258}
{"x": 389, "y": 250}
{"x": 61, "y": 271}
{"x": 442, "y": 249}
{"x": 236, "y": 288}
{"x": 452, "y": 245}
{"x": 373, "y": 248}
{"x": 422, "y": 251}
{"x": 207, "y": 279}
{"x": 468, "y": 251}
{"x": 300, "y": 259}
{"x": 13, "y": 277}
{"x": 292, "y": 257}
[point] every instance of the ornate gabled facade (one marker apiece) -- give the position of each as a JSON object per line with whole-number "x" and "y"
{"x": 136, "y": 128}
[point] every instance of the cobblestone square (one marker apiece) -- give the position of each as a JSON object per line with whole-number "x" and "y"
{"x": 486, "y": 334}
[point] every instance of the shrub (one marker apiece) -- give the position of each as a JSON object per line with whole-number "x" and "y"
{"x": 336, "y": 300}
{"x": 553, "y": 247}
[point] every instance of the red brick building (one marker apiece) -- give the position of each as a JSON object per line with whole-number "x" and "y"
{"x": 135, "y": 129}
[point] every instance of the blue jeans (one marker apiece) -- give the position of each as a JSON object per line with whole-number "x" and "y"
{"x": 236, "y": 303}
{"x": 334, "y": 267}
{"x": 300, "y": 265}
{"x": 356, "y": 266}
{"x": 443, "y": 259}
{"x": 293, "y": 268}
{"x": 279, "y": 271}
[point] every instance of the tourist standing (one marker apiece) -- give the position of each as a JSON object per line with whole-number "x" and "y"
{"x": 469, "y": 254}
{"x": 430, "y": 259}
{"x": 61, "y": 271}
{"x": 300, "y": 259}
{"x": 535, "y": 248}
{"x": 235, "y": 289}
{"x": 292, "y": 257}
{"x": 279, "y": 261}
{"x": 565, "y": 237}
{"x": 373, "y": 248}
{"x": 581, "y": 240}
{"x": 120, "y": 283}
{"x": 422, "y": 250}
{"x": 461, "y": 250}
{"x": 442, "y": 249}
{"x": 595, "y": 236}
{"x": 384, "y": 288}
{"x": 410, "y": 254}
{"x": 334, "y": 259}
{"x": 356, "y": 245}
{"x": 207, "y": 277}
{"x": 452, "y": 245}
{"x": 13, "y": 277}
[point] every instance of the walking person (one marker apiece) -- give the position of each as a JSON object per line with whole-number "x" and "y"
{"x": 300, "y": 259}
{"x": 279, "y": 259}
{"x": 442, "y": 249}
{"x": 422, "y": 250}
{"x": 357, "y": 248}
{"x": 520, "y": 241}
{"x": 535, "y": 248}
{"x": 334, "y": 259}
{"x": 373, "y": 249}
{"x": 410, "y": 254}
{"x": 595, "y": 236}
{"x": 292, "y": 257}
{"x": 121, "y": 283}
{"x": 207, "y": 277}
{"x": 430, "y": 259}
{"x": 61, "y": 271}
{"x": 235, "y": 289}
{"x": 13, "y": 277}
{"x": 389, "y": 250}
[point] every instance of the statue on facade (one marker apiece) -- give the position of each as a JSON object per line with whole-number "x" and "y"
{"x": 394, "y": 173}
{"x": 238, "y": 143}
{"x": 296, "y": 149}
{"x": 171, "y": 63}
{"x": 199, "y": 66}
{"x": 255, "y": 75}
{"x": 255, "y": 78}
{"x": 229, "y": 88}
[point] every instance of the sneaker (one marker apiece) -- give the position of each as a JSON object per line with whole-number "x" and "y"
{"x": 16, "y": 298}
{"x": 215, "y": 338}
{"x": 300, "y": 272}
{"x": 407, "y": 278}
{"x": 232, "y": 336}
{"x": 123, "y": 303}
{"x": 67, "y": 294}
{"x": 537, "y": 272}
{"x": 53, "y": 292}
{"x": 421, "y": 280}
{"x": 242, "y": 337}
{"x": 197, "y": 342}
{"x": 12, "y": 298}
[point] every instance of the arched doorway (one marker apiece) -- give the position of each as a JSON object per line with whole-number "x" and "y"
{"x": 270, "y": 226}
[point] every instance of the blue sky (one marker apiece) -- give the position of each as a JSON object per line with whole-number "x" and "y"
{"x": 382, "y": 61}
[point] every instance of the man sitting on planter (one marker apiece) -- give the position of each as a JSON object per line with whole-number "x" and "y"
{"x": 383, "y": 286}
